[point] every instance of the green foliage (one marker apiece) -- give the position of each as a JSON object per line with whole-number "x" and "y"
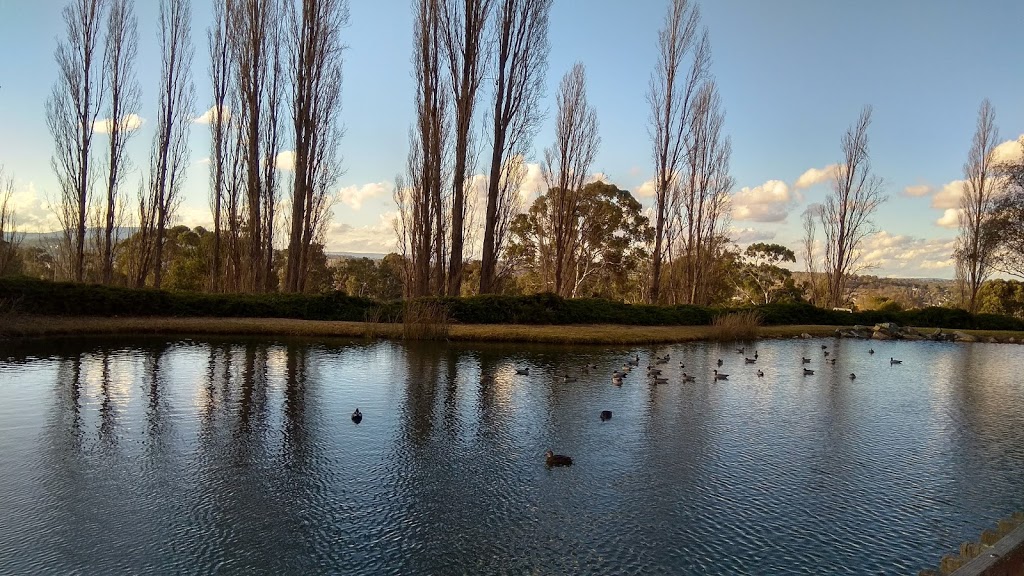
{"x": 1005, "y": 297}
{"x": 761, "y": 279}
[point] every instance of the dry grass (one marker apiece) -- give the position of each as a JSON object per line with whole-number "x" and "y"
{"x": 425, "y": 321}
{"x": 45, "y": 326}
{"x": 742, "y": 325}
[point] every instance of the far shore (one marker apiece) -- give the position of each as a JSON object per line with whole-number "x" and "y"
{"x": 26, "y": 326}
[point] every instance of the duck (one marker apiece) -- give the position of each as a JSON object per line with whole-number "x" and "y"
{"x": 853, "y": 376}
{"x": 552, "y": 459}
{"x": 755, "y": 354}
{"x": 658, "y": 380}
{"x": 653, "y": 371}
{"x": 568, "y": 378}
{"x": 681, "y": 365}
{"x": 617, "y": 380}
{"x": 806, "y": 360}
{"x": 719, "y": 376}
{"x": 749, "y": 360}
{"x": 357, "y": 416}
{"x": 688, "y": 378}
{"x": 606, "y": 415}
{"x": 871, "y": 351}
{"x": 740, "y": 350}
{"x": 719, "y": 362}
{"x": 823, "y": 346}
{"x": 832, "y": 361}
{"x": 618, "y": 374}
{"x": 826, "y": 353}
{"x": 760, "y": 374}
{"x": 894, "y": 361}
{"x": 523, "y": 371}
{"x": 808, "y": 372}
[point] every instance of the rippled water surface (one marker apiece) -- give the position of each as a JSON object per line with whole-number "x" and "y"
{"x": 239, "y": 456}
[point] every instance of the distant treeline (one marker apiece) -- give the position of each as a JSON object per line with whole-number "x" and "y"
{"x": 31, "y": 296}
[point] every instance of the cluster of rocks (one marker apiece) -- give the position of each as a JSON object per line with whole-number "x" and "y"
{"x": 893, "y": 331}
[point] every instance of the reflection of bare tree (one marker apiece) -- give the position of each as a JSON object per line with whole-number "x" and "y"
{"x": 296, "y": 374}
{"x": 153, "y": 367}
{"x": 421, "y": 391}
{"x": 107, "y": 413}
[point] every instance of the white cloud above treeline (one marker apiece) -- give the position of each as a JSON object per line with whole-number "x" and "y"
{"x": 129, "y": 123}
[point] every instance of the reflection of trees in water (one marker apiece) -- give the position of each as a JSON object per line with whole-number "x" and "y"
{"x": 296, "y": 431}
{"x": 421, "y": 378}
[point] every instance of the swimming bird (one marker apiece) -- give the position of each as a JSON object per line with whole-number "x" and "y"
{"x": 719, "y": 361}
{"x": 808, "y": 372}
{"x": 653, "y": 371}
{"x": 740, "y": 350}
{"x": 826, "y": 353}
{"x": 894, "y": 361}
{"x": 749, "y": 360}
{"x": 357, "y": 416}
{"x": 552, "y": 459}
{"x": 568, "y": 378}
{"x": 721, "y": 376}
{"x": 823, "y": 346}
{"x": 523, "y": 371}
{"x": 619, "y": 375}
{"x": 760, "y": 374}
{"x": 832, "y": 361}
{"x": 755, "y": 354}
{"x": 659, "y": 380}
{"x": 606, "y": 415}
{"x": 688, "y": 378}
{"x": 806, "y": 360}
{"x": 681, "y": 366}
{"x": 871, "y": 351}
{"x": 853, "y": 376}
{"x": 617, "y": 380}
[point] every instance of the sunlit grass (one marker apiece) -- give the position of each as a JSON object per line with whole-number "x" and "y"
{"x": 742, "y": 325}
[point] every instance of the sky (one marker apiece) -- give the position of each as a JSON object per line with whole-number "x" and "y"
{"x": 793, "y": 76}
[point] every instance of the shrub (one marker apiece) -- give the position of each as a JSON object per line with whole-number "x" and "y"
{"x": 425, "y": 319}
{"x": 740, "y": 325}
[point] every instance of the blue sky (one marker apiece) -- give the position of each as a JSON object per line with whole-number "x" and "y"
{"x": 793, "y": 75}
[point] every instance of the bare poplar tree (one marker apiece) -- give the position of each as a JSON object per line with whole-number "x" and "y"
{"x": 807, "y": 218}
{"x": 315, "y": 75}
{"x": 566, "y": 165}
{"x": 702, "y": 211}
{"x": 521, "y": 57}
{"x": 978, "y": 239}
{"x": 122, "y": 89}
{"x": 463, "y": 23}
{"x": 139, "y": 248}
{"x": 71, "y": 114}
{"x": 683, "y": 60}
{"x": 271, "y": 132}
{"x": 220, "y": 145}
{"x": 174, "y": 114}
{"x": 10, "y": 239}
{"x": 846, "y": 214}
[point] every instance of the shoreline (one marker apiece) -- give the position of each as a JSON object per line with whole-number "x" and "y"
{"x": 18, "y": 327}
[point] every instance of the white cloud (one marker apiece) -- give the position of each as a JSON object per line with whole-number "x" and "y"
{"x": 949, "y": 195}
{"x": 354, "y": 196}
{"x": 533, "y": 184}
{"x": 285, "y": 161}
{"x": 647, "y": 189}
{"x": 906, "y": 254}
{"x": 31, "y": 211}
{"x": 750, "y": 235}
{"x": 192, "y": 215}
{"x": 210, "y": 116}
{"x": 917, "y": 190}
{"x": 129, "y": 123}
{"x": 378, "y": 238}
{"x": 769, "y": 202}
{"x": 1009, "y": 151}
{"x": 950, "y": 218}
{"x": 815, "y": 176}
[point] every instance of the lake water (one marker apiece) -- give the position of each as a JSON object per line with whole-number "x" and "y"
{"x": 239, "y": 456}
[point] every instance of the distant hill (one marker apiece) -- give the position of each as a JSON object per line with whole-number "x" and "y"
{"x": 33, "y": 239}
{"x": 356, "y": 255}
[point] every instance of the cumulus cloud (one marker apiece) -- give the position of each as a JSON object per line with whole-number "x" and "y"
{"x": 907, "y": 255}
{"x": 32, "y": 212}
{"x": 950, "y": 218}
{"x": 129, "y": 123}
{"x": 1009, "y": 151}
{"x": 949, "y": 195}
{"x": 647, "y": 189}
{"x": 750, "y": 235}
{"x": 917, "y": 190}
{"x": 769, "y": 202}
{"x": 533, "y": 184}
{"x": 285, "y": 161}
{"x": 211, "y": 116}
{"x": 376, "y": 238}
{"x": 354, "y": 196}
{"x": 815, "y": 176}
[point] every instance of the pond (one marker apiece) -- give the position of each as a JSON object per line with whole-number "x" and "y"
{"x": 239, "y": 456}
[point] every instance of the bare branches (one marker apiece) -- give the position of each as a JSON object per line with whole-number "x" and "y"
{"x": 521, "y": 55}
{"x": 846, "y": 214}
{"x": 124, "y": 94}
{"x": 220, "y": 128}
{"x": 681, "y": 42}
{"x": 978, "y": 240}
{"x": 71, "y": 113}
{"x": 10, "y": 239}
{"x": 566, "y": 165}
{"x": 175, "y": 103}
{"x": 316, "y": 55}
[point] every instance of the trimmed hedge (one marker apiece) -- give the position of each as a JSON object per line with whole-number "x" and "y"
{"x": 69, "y": 299}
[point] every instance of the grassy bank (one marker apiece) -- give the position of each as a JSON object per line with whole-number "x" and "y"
{"x": 54, "y": 326}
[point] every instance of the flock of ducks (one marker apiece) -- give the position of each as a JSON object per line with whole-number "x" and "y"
{"x": 655, "y": 377}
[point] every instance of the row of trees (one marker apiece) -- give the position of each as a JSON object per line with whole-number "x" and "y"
{"x": 276, "y": 71}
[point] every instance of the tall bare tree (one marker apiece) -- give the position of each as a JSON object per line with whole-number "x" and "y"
{"x": 174, "y": 115}
{"x": 315, "y": 75}
{"x": 10, "y": 239}
{"x": 846, "y": 215}
{"x": 808, "y": 252}
{"x": 220, "y": 144}
{"x": 71, "y": 113}
{"x": 701, "y": 215}
{"x": 566, "y": 166}
{"x": 979, "y": 236}
{"x": 521, "y": 57}
{"x": 683, "y": 60}
{"x": 122, "y": 89}
{"x": 463, "y": 23}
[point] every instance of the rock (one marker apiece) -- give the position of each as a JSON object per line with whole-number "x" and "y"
{"x": 806, "y": 336}
{"x": 912, "y": 337}
{"x": 964, "y": 337}
{"x": 880, "y": 335}
{"x": 992, "y": 340}
{"x": 1012, "y": 340}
